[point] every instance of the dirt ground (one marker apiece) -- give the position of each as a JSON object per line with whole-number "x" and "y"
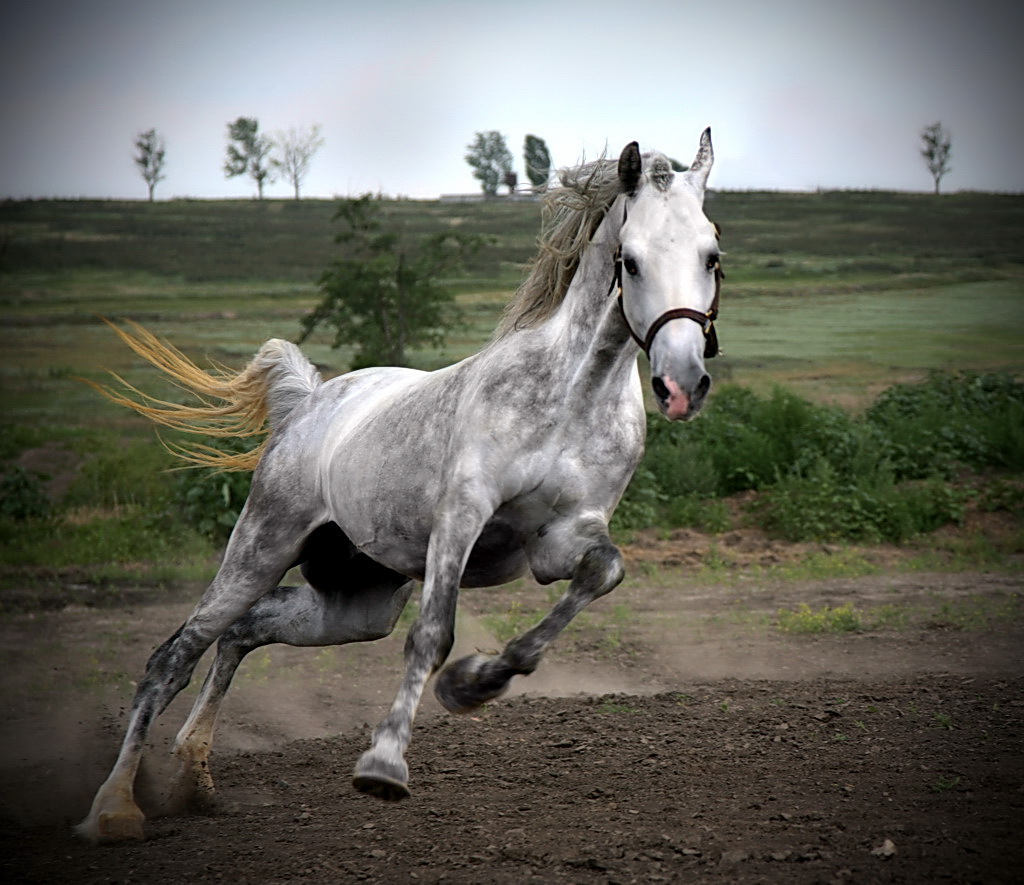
{"x": 674, "y": 734}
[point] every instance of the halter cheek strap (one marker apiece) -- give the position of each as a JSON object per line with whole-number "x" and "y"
{"x": 704, "y": 320}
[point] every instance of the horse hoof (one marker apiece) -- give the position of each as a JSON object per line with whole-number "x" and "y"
{"x": 460, "y": 687}
{"x": 115, "y": 826}
{"x": 381, "y": 787}
{"x": 381, "y": 778}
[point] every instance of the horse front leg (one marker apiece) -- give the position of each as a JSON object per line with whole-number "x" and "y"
{"x": 471, "y": 681}
{"x": 382, "y": 770}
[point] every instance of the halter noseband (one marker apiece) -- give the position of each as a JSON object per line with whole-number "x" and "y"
{"x": 706, "y": 321}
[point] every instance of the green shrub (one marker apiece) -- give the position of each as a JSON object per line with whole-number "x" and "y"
{"x": 211, "y": 500}
{"x": 826, "y": 474}
{"x": 639, "y": 506}
{"x": 22, "y": 495}
{"x": 951, "y": 420}
{"x": 826, "y": 507}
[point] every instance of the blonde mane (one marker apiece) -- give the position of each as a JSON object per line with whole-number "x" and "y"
{"x": 571, "y": 215}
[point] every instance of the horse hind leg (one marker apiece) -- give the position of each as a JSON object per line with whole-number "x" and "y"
{"x": 467, "y": 683}
{"x": 362, "y": 604}
{"x": 259, "y": 553}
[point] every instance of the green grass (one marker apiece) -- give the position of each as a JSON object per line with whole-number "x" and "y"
{"x": 836, "y": 295}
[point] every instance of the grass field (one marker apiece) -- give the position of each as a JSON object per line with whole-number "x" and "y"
{"x": 835, "y": 295}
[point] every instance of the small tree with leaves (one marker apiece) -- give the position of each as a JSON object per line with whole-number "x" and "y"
{"x": 249, "y": 152}
{"x": 294, "y": 152}
{"x": 538, "y": 162}
{"x": 936, "y": 144}
{"x": 150, "y": 152}
{"x": 491, "y": 160}
{"x": 383, "y": 294}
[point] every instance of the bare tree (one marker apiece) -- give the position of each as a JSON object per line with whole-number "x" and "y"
{"x": 248, "y": 152}
{"x": 296, "y": 148}
{"x": 936, "y": 143}
{"x": 150, "y": 155}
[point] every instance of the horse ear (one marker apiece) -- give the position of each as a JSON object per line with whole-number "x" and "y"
{"x": 630, "y": 167}
{"x": 701, "y": 165}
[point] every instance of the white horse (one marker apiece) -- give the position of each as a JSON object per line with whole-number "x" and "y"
{"x": 509, "y": 461}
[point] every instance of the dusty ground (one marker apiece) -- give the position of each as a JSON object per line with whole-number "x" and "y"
{"x": 675, "y": 734}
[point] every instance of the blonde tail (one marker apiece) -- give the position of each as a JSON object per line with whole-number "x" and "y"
{"x": 252, "y": 401}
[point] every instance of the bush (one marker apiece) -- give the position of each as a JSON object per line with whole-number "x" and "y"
{"x": 22, "y": 495}
{"x": 823, "y": 473}
{"x": 211, "y": 500}
{"x": 825, "y": 507}
{"x": 949, "y": 421}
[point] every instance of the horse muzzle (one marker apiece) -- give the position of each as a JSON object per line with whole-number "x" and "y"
{"x": 680, "y": 402}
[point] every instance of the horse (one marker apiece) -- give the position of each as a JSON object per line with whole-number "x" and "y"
{"x": 512, "y": 460}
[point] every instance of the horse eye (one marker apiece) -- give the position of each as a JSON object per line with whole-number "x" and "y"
{"x": 712, "y": 262}
{"x": 631, "y": 266}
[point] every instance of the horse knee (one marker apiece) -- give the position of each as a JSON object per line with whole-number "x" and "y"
{"x": 430, "y": 643}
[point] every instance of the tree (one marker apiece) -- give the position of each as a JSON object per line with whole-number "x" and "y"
{"x": 383, "y": 293}
{"x": 538, "y": 162}
{"x": 248, "y": 152}
{"x": 151, "y": 151}
{"x": 491, "y": 160}
{"x": 295, "y": 150}
{"x": 936, "y": 143}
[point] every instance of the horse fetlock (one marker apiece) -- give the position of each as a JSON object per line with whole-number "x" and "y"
{"x": 601, "y": 569}
{"x": 192, "y": 789}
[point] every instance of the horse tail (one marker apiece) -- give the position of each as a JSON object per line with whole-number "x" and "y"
{"x": 246, "y": 404}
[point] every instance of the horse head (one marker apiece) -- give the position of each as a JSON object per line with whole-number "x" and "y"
{"x": 668, "y": 272}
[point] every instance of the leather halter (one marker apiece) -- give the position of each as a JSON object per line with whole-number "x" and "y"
{"x": 706, "y": 321}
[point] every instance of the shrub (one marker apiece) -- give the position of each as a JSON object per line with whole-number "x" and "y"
{"x": 22, "y": 495}
{"x": 211, "y": 500}
{"x": 823, "y": 473}
{"x": 951, "y": 420}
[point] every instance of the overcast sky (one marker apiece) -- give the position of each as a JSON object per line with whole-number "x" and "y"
{"x": 799, "y": 93}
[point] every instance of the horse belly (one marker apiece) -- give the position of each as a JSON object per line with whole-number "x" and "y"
{"x": 497, "y": 557}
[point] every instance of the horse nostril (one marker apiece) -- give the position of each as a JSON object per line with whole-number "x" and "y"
{"x": 659, "y": 388}
{"x": 703, "y": 386}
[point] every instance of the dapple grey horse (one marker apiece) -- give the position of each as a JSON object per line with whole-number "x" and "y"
{"x": 512, "y": 460}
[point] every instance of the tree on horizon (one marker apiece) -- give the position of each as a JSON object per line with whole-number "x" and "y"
{"x": 491, "y": 160}
{"x": 249, "y": 152}
{"x": 151, "y": 153}
{"x": 936, "y": 147}
{"x": 295, "y": 150}
{"x": 537, "y": 159}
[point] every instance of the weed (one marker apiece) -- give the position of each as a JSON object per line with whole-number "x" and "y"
{"x": 842, "y": 619}
{"x": 610, "y": 707}
{"x": 511, "y": 623}
{"x": 944, "y": 720}
{"x": 945, "y": 784}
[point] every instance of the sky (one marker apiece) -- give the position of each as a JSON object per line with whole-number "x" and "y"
{"x": 800, "y": 94}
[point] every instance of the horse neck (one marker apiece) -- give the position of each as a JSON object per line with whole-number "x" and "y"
{"x": 589, "y": 323}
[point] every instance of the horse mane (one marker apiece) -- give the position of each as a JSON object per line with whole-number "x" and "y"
{"x": 570, "y": 216}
